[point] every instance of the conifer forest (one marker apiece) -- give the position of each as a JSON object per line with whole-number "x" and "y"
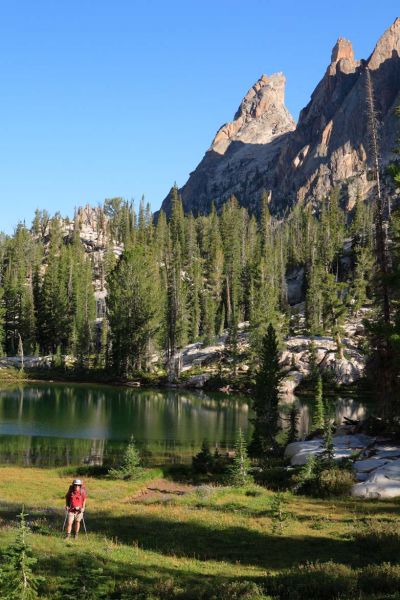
{"x": 202, "y": 402}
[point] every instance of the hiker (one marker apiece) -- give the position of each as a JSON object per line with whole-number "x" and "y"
{"x": 75, "y": 502}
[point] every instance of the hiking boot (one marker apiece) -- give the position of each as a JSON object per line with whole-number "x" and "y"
{"x": 75, "y": 536}
{"x": 68, "y": 536}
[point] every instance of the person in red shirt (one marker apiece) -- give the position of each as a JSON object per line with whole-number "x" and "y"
{"x": 75, "y": 502}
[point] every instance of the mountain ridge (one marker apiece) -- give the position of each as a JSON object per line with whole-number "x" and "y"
{"x": 263, "y": 150}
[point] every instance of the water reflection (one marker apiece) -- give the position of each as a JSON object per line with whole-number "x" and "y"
{"x": 341, "y": 408}
{"x": 62, "y": 424}
{"x": 67, "y": 423}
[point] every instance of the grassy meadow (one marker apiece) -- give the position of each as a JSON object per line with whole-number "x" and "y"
{"x": 156, "y": 538}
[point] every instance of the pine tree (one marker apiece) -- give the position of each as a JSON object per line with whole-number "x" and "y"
{"x": 176, "y": 317}
{"x": 212, "y": 318}
{"x": 279, "y": 514}
{"x": 314, "y": 297}
{"x": 133, "y": 307}
{"x": 327, "y": 457}
{"x": 313, "y": 362}
{"x": 231, "y": 233}
{"x": 335, "y": 308}
{"x": 142, "y": 226}
{"x": 239, "y": 474}
{"x": 267, "y": 273}
{"x": 266, "y": 398}
{"x": 83, "y": 304}
{"x": 2, "y": 322}
{"x": 318, "y": 413}
{"x": 131, "y": 464}
{"x": 362, "y": 277}
{"x": 17, "y": 579}
{"x": 194, "y": 271}
{"x": 19, "y": 258}
{"x": 203, "y": 461}
{"x": 104, "y": 347}
{"x": 87, "y": 582}
{"x": 55, "y": 308}
{"x": 384, "y": 328}
{"x": 177, "y": 222}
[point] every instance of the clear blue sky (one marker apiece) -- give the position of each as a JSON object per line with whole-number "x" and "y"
{"x": 101, "y": 99}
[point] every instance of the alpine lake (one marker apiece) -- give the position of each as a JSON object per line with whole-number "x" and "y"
{"x": 58, "y": 424}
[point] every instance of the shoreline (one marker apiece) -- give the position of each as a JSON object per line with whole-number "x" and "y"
{"x": 240, "y": 387}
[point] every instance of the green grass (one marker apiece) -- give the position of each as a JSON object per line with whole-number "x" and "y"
{"x": 206, "y": 537}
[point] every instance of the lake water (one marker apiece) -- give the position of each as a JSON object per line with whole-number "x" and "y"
{"x": 61, "y": 424}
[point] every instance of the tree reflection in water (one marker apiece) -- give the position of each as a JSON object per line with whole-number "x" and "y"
{"x": 64, "y": 424}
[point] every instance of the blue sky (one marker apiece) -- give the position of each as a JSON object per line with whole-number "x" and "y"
{"x": 101, "y": 99}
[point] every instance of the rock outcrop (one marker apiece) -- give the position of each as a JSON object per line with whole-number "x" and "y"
{"x": 262, "y": 150}
{"x": 376, "y": 466}
{"x": 294, "y": 357}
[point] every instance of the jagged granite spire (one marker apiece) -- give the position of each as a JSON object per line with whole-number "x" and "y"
{"x": 261, "y": 116}
{"x": 243, "y": 153}
{"x": 261, "y": 149}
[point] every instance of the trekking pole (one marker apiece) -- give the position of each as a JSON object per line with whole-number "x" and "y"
{"x": 84, "y": 524}
{"x": 65, "y": 520}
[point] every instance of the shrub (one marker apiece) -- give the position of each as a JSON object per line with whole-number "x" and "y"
{"x": 379, "y": 541}
{"x": 274, "y": 478}
{"x": 378, "y": 579}
{"x": 316, "y": 478}
{"x": 133, "y": 589}
{"x": 205, "y": 491}
{"x": 335, "y": 482}
{"x": 238, "y": 590}
{"x": 167, "y": 589}
{"x": 325, "y": 581}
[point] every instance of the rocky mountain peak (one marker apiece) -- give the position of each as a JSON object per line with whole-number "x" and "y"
{"x": 388, "y": 46}
{"x": 342, "y": 57}
{"x": 261, "y": 116}
{"x": 267, "y": 92}
{"x": 262, "y": 149}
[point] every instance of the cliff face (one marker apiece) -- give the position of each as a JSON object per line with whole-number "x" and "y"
{"x": 262, "y": 149}
{"x": 243, "y": 155}
{"x": 330, "y": 144}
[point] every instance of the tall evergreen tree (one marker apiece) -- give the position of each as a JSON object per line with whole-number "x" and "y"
{"x": 133, "y": 307}
{"x": 2, "y": 321}
{"x": 55, "y": 309}
{"x": 266, "y": 397}
{"x": 318, "y": 416}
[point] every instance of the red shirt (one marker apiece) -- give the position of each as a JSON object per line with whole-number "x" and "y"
{"x": 75, "y": 499}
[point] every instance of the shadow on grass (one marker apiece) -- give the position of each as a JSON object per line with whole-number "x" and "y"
{"x": 201, "y": 541}
{"x": 138, "y": 579}
{"x": 191, "y": 539}
{"x": 234, "y": 544}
